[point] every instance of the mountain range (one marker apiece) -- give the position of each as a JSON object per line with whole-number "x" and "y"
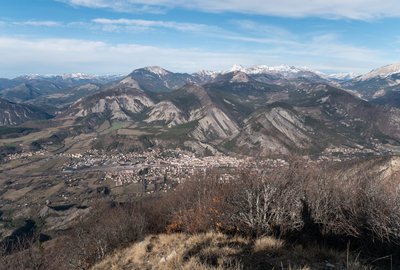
{"x": 257, "y": 110}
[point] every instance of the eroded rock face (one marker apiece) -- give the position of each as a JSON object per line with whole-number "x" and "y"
{"x": 212, "y": 122}
{"x": 240, "y": 77}
{"x": 215, "y": 124}
{"x": 14, "y": 114}
{"x": 278, "y": 130}
{"x": 167, "y": 112}
{"x": 120, "y": 104}
{"x": 130, "y": 82}
{"x": 237, "y": 110}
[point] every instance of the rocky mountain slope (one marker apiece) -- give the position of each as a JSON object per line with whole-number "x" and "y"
{"x": 189, "y": 105}
{"x": 14, "y": 114}
{"x": 236, "y": 112}
{"x": 255, "y": 110}
{"x": 118, "y": 103}
{"x": 381, "y": 86}
{"x": 157, "y": 79}
{"x": 30, "y": 87}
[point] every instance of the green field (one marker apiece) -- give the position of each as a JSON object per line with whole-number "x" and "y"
{"x": 179, "y": 132}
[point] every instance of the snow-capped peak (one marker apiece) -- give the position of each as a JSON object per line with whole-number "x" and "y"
{"x": 264, "y": 69}
{"x": 80, "y": 76}
{"x": 382, "y": 72}
{"x": 157, "y": 70}
{"x": 343, "y": 76}
{"x": 236, "y": 68}
{"x": 272, "y": 69}
{"x": 66, "y": 76}
{"x": 32, "y": 76}
{"x": 206, "y": 74}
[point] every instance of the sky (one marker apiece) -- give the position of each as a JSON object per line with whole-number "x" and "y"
{"x": 118, "y": 36}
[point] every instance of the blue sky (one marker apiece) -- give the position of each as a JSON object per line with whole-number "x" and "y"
{"x": 115, "y": 37}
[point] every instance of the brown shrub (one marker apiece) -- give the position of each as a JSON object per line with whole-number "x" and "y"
{"x": 199, "y": 205}
{"x": 299, "y": 199}
{"x": 315, "y": 199}
{"x": 107, "y": 229}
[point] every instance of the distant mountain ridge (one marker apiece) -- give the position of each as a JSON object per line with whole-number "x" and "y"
{"x": 28, "y": 87}
{"x": 380, "y": 86}
{"x": 245, "y": 112}
{"x": 256, "y": 110}
{"x": 382, "y": 72}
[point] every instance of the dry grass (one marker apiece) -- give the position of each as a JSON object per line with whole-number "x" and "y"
{"x": 178, "y": 251}
{"x": 302, "y": 204}
{"x": 131, "y": 132}
{"x": 15, "y": 195}
{"x": 268, "y": 244}
{"x": 30, "y": 137}
{"x": 217, "y": 251}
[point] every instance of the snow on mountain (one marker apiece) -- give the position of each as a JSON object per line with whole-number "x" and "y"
{"x": 343, "y": 76}
{"x": 382, "y": 72}
{"x": 264, "y": 69}
{"x": 31, "y": 76}
{"x": 206, "y": 73}
{"x": 273, "y": 69}
{"x": 286, "y": 70}
{"x": 235, "y": 68}
{"x": 78, "y": 76}
{"x": 157, "y": 70}
{"x": 83, "y": 76}
{"x": 67, "y": 76}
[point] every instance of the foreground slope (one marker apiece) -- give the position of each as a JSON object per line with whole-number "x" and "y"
{"x": 219, "y": 251}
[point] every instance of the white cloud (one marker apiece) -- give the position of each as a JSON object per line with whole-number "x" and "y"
{"x": 264, "y": 29}
{"x": 354, "y": 9}
{"x": 27, "y": 55}
{"x": 116, "y": 24}
{"x": 38, "y": 23}
{"x": 260, "y": 33}
{"x": 118, "y": 5}
{"x": 24, "y": 56}
{"x": 31, "y": 23}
